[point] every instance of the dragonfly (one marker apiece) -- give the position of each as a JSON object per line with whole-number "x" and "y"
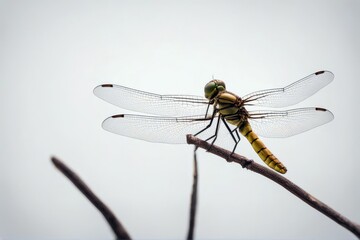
{"x": 169, "y": 118}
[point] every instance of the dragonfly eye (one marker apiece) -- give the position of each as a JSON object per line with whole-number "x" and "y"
{"x": 213, "y": 88}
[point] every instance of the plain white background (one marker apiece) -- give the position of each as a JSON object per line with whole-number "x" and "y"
{"x": 52, "y": 55}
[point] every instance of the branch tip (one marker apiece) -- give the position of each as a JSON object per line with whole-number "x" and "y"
{"x": 114, "y": 223}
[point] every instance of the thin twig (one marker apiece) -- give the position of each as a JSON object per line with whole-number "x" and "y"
{"x": 193, "y": 200}
{"x": 114, "y": 223}
{"x": 287, "y": 184}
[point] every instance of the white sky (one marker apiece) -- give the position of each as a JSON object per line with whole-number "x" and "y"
{"x": 52, "y": 55}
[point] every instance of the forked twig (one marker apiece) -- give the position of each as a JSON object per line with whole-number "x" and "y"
{"x": 193, "y": 200}
{"x": 114, "y": 223}
{"x": 287, "y": 184}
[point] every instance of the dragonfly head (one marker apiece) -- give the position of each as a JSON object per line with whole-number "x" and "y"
{"x": 213, "y": 88}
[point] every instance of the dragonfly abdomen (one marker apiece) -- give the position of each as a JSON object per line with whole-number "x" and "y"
{"x": 259, "y": 147}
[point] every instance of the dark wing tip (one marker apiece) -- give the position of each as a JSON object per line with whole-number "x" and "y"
{"x": 118, "y": 116}
{"x": 329, "y": 113}
{"x": 319, "y": 72}
{"x": 98, "y": 90}
{"x": 326, "y": 74}
{"x": 107, "y": 85}
{"x": 320, "y": 109}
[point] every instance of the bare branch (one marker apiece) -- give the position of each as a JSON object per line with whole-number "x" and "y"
{"x": 193, "y": 200}
{"x": 287, "y": 184}
{"x": 114, "y": 223}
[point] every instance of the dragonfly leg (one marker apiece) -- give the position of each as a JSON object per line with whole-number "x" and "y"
{"x": 236, "y": 136}
{"x": 212, "y": 118}
{"x": 236, "y": 132}
{"x": 210, "y": 123}
{"x": 231, "y": 131}
{"x": 215, "y": 135}
{"x": 207, "y": 109}
{"x": 233, "y": 151}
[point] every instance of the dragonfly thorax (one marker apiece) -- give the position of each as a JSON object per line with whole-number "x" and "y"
{"x": 231, "y": 108}
{"x": 213, "y": 88}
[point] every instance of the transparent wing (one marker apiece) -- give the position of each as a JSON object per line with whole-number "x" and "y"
{"x": 156, "y": 128}
{"x": 279, "y": 124}
{"x": 292, "y": 94}
{"x": 140, "y": 101}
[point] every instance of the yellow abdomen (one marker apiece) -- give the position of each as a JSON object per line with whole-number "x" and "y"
{"x": 260, "y": 148}
{"x": 228, "y": 106}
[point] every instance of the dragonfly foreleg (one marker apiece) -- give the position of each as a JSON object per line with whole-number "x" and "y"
{"x": 207, "y": 109}
{"x": 210, "y": 123}
{"x": 215, "y": 135}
